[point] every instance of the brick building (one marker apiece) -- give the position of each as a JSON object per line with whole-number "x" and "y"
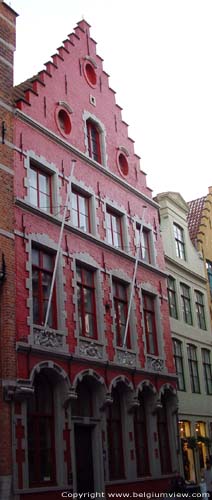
{"x": 7, "y": 242}
{"x": 200, "y": 230}
{"x": 95, "y": 368}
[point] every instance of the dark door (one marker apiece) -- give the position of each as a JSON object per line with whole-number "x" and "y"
{"x": 84, "y": 458}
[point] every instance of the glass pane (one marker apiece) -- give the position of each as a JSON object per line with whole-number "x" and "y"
{"x": 43, "y": 183}
{"x": 88, "y": 302}
{"x": 32, "y": 178}
{"x": 75, "y": 221}
{"x": 35, "y": 256}
{"x": 47, "y": 262}
{"x": 35, "y": 311}
{"x": 88, "y": 278}
{"x": 121, "y": 291}
{"x": 89, "y": 325}
{"x": 33, "y": 196}
{"x": 79, "y": 275}
{"x": 74, "y": 201}
{"x": 83, "y": 223}
{"x": 46, "y": 284}
{"x": 44, "y": 202}
{"x": 83, "y": 205}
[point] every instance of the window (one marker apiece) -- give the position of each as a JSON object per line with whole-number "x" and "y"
{"x": 186, "y": 303}
{"x": 200, "y": 310}
{"x": 141, "y": 440}
{"x": 42, "y": 272}
{"x": 143, "y": 242}
{"x": 80, "y": 211}
{"x": 86, "y": 302}
{"x": 172, "y": 297}
{"x": 178, "y": 358}
{"x": 150, "y": 324}
{"x": 209, "y": 271}
{"x": 179, "y": 241}
{"x": 121, "y": 310}
{"x": 206, "y": 360}
{"x": 193, "y": 368}
{"x": 115, "y": 444}
{"x": 40, "y": 188}
{"x": 163, "y": 439}
{"x": 40, "y": 432}
{"x": 114, "y": 229}
{"x": 93, "y": 135}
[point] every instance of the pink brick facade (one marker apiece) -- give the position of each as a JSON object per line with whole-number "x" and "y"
{"x": 98, "y": 386}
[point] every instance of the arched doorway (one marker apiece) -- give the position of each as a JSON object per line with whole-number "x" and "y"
{"x": 86, "y": 425}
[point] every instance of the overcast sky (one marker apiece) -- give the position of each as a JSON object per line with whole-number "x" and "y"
{"x": 158, "y": 54}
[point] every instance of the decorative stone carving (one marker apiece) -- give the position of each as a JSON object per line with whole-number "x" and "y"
{"x": 90, "y": 349}
{"x": 126, "y": 357}
{"x": 155, "y": 364}
{"x": 48, "y": 338}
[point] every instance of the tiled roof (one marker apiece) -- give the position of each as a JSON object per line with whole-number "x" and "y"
{"x": 194, "y": 216}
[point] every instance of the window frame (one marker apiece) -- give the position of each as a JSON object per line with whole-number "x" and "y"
{"x": 193, "y": 368}
{"x": 186, "y": 303}
{"x": 40, "y": 269}
{"x": 144, "y": 243}
{"x": 35, "y": 167}
{"x": 111, "y": 216}
{"x": 152, "y": 312}
{"x": 81, "y": 287}
{"x": 200, "y": 309}
{"x": 178, "y": 358}
{"x": 179, "y": 241}
{"x": 172, "y": 297}
{"x": 86, "y": 197}
{"x": 207, "y": 369}
{"x": 119, "y": 302}
{"x": 93, "y": 128}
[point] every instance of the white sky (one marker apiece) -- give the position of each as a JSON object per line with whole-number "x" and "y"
{"x": 159, "y": 56}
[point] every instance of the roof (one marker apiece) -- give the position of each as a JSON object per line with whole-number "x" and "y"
{"x": 194, "y": 216}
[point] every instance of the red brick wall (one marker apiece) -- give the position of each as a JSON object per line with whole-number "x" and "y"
{"x": 7, "y": 288}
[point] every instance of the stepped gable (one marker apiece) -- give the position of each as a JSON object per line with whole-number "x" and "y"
{"x": 39, "y": 96}
{"x": 194, "y": 216}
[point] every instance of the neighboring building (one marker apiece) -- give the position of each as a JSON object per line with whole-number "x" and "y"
{"x": 191, "y": 333}
{"x": 7, "y": 262}
{"x": 200, "y": 229}
{"x": 92, "y": 410}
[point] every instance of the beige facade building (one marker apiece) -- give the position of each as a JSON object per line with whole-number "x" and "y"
{"x": 200, "y": 230}
{"x": 191, "y": 334}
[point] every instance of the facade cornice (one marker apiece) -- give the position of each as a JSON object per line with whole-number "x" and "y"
{"x": 71, "y": 358}
{"x": 182, "y": 270}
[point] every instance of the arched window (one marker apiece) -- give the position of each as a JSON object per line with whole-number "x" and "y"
{"x": 41, "y": 444}
{"x": 141, "y": 442}
{"x": 115, "y": 444}
{"x": 94, "y": 143}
